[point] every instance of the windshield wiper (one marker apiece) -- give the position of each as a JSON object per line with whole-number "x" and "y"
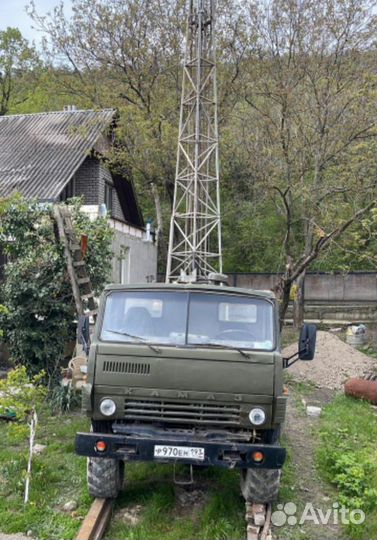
{"x": 139, "y": 339}
{"x": 229, "y": 347}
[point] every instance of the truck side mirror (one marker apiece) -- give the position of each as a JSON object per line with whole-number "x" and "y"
{"x": 306, "y": 342}
{"x": 83, "y": 332}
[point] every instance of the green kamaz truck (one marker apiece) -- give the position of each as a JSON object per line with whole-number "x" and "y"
{"x": 187, "y": 373}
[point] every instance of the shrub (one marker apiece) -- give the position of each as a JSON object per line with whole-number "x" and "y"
{"x": 3, "y": 314}
{"x": 37, "y": 293}
{"x": 21, "y": 394}
{"x": 347, "y": 458}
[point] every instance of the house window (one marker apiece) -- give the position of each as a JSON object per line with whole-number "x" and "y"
{"x": 69, "y": 190}
{"x": 124, "y": 266}
{"x": 109, "y": 197}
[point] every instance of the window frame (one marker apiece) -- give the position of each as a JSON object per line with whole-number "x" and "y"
{"x": 109, "y": 196}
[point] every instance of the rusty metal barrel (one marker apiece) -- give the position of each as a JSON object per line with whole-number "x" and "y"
{"x": 361, "y": 389}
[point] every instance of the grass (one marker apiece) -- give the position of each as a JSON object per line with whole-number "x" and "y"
{"x": 347, "y": 458}
{"x": 298, "y": 390}
{"x": 58, "y": 476}
{"x": 151, "y": 487}
{"x": 221, "y": 517}
{"x": 347, "y": 427}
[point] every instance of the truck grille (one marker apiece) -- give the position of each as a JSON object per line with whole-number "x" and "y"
{"x": 135, "y": 368}
{"x": 182, "y": 413}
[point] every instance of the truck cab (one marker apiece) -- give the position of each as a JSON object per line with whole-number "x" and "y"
{"x": 187, "y": 374}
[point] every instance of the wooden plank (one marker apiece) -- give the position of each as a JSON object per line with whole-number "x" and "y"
{"x": 94, "y": 525}
{"x": 83, "y": 281}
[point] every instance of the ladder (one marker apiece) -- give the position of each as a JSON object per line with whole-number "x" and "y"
{"x": 81, "y": 286}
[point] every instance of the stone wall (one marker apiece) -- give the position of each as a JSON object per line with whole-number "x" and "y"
{"x": 319, "y": 287}
{"x": 333, "y": 297}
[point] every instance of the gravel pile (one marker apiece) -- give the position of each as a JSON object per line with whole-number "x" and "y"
{"x": 334, "y": 362}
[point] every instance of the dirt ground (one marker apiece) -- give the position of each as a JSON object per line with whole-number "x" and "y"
{"x": 335, "y": 361}
{"x": 308, "y": 488}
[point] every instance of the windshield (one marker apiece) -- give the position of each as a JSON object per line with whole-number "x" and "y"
{"x": 189, "y": 318}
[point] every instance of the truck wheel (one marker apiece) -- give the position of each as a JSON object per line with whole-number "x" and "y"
{"x": 104, "y": 476}
{"x": 260, "y": 485}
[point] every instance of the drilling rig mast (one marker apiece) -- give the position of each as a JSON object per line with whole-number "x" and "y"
{"x": 195, "y": 227}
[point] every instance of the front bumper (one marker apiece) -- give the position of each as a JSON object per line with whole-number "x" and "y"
{"x": 216, "y": 453}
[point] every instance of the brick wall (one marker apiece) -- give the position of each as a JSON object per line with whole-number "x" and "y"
{"x": 105, "y": 177}
{"x": 90, "y": 180}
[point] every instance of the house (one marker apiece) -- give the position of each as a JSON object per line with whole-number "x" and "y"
{"x": 53, "y": 156}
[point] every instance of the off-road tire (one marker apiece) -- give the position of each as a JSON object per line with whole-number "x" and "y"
{"x": 260, "y": 485}
{"x": 104, "y": 476}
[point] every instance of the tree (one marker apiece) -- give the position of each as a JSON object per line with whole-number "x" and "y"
{"x": 128, "y": 55}
{"x": 40, "y": 311}
{"x": 18, "y": 65}
{"x": 297, "y": 114}
{"x": 310, "y": 100}
{"x": 23, "y": 397}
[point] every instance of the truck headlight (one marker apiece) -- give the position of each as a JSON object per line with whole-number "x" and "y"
{"x": 107, "y": 407}
{"x": 257, "y": 416}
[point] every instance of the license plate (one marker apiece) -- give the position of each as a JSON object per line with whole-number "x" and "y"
{"x": 179, "y": 452}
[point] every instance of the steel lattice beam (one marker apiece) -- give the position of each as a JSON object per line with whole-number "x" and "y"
{"x": 195, "y": 227}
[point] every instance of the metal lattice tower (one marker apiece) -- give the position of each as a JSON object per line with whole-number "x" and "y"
{"x": 195, "y": 228}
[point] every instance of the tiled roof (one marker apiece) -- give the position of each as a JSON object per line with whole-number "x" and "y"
{"x": 39, "y": 153}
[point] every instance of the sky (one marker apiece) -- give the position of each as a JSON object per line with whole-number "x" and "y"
{"x": 12, "y": 13}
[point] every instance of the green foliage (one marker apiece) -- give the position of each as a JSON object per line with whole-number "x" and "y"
{"x": 98, "y": 257}
{"x": 20, "y": 394}
{"x": 3, "y": 313}
{"x": 63, "y": 399}
{"x": 347, "y": 456}
{"x": 304, "y": 128}
{"x": 250, "y": 235}
{"x": 18, "y": 69}
{"x": 39, "y": 322}
{"x": 351, "y": 474}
